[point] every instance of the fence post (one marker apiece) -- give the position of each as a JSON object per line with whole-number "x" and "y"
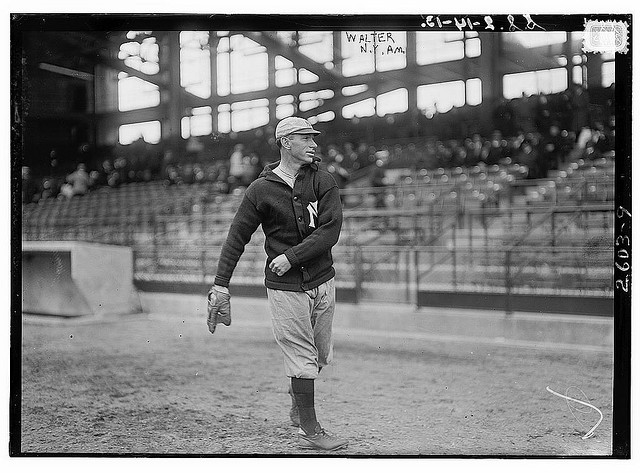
{"x": 407, "y": 273}
{"x": 416, "y": 263}
{"x": 154, "y": 226}
{"x": 453, "y": 258}
{"x": 507, "y": 282}
{"x": 470, "y": 223}
{"x": 358, "y": 267}
{"x": 203, "y": 264}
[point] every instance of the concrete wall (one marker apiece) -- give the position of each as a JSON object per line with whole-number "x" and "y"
{"x": 77, "y": 278}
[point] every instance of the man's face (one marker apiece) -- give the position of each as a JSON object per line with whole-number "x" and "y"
{"x": 302, "y": 147}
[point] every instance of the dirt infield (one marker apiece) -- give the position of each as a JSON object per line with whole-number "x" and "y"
{"x": 164, "y": 385}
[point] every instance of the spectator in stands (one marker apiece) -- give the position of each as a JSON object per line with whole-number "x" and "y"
{"x": 50, "y": 188}
{"x": 459, "y": 154}
{"x": 601, "y": 138}
{"x": 443, "y": 155}
{"x": 340, "y": 174}
{"x": 94, "y": 178}
{"x": 474, "y": 149}
{"x": 222, "y": 181}
{"x": 251, "y": 169}
{"x": 173, "y": 176}
{"x": 363, "y": 156}
{"x": 579, "y": 107}
{"x": 236, "y": 166}
{"x": 495, "y": 151}
{"x": 186, "y": 172}
{"x": 121, "y": 170}
{"x": 528, "y": 156}
{"x": 66, "y": 191}
{"x": 53, "y": 162}
{"x": 378, "y": 183}
{"x": 79, "y": 180}
{"x": 198, "y": 173}
{"x": 552, "y": 149}
{"x": 610, "y": 132}
{"x": 350, "y": 156}
{"x": 30, "y": 190}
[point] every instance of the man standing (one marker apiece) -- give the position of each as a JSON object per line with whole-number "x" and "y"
{"x": 300, "y": 211}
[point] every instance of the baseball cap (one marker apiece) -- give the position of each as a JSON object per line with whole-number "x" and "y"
{"x": 292, "y": 125}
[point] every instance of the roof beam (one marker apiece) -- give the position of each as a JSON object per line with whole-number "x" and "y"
{"x": 336, "y": 103}
{"x": 300, "y": 60}
{"x": 525, "y": 59}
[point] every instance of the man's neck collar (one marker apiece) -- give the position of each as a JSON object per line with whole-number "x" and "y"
{"x": 289, "y": 166}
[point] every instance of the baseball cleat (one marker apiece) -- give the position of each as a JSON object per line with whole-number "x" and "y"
{"x": 320, "y": 440}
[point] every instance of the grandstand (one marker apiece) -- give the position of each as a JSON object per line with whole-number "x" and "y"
{"x": 485, "y": 171}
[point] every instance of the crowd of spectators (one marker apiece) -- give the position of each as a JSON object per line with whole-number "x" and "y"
{"x": 537, "y": 131}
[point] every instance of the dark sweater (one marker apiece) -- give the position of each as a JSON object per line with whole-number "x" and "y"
{"x": 302, "y": 223}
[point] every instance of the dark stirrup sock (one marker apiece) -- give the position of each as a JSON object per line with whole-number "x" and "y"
{"x": 303, "y": 392}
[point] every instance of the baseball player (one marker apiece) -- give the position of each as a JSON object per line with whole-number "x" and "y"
{"x": 299, "y": 208}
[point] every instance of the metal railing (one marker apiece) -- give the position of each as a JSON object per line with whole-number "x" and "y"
{"x": 397, "y": 274}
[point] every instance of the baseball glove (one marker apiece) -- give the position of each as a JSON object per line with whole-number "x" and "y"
{"x": 219, "y": 307}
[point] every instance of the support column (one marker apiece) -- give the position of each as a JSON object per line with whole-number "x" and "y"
{"x": 412, "y": 86}
{"x": 213, "y": 58}
{"x": 594, "y": 71}
{"x": 490, "y": 75}
{"x": 566, "y": 51}
{"x": 172, "y": 96}
{"x": 271, "y": 72}
{"x": 337, "y": 67}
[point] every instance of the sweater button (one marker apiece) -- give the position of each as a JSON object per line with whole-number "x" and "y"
{"x": 295, "y": 198}
{"x": 299, "y": 219}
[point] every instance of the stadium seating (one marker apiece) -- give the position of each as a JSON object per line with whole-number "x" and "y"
{"x": 468, "y": 225}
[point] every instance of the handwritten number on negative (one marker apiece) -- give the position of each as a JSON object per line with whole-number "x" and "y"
{"x": 621, "y": 252}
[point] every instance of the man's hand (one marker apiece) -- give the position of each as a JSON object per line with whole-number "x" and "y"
{"x": 280, "y": 265}
{"x": 219, "y": 307}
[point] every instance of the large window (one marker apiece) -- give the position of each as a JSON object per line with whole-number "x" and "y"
{"x": 608, "y": 69}
{"x": 357, "y": 54}
{"x": 286, "y": 74}
{"x": 249, "y": 115}
{"x": 135, "y": 93}
{"x": 318, "y": 45}
{"x": 441, "y": 97}
{"x": 241, "y": 65}
{"x": 195, "y": 65}
{"x": 533, "y": 39}
{"x": 198, "y": 124}
{"x": 396, "y": 101}
{"x": 311, "y": 100}
{"x": 248, "y": 65}
{"x": 364, "y": 108}
{"x": 367, "y": 52}
{"x": 474, "y": 91}
{"x": 142, "y": 55}
{"x": 148, "y": 131}
{"x": 439, "y": 46}
{"x": 548, "y": 81}
{"x": 392, "y": 53}
{"x": 285, "y": 106}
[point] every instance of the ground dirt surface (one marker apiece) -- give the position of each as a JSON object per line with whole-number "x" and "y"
{"x": 152, "y": 384}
